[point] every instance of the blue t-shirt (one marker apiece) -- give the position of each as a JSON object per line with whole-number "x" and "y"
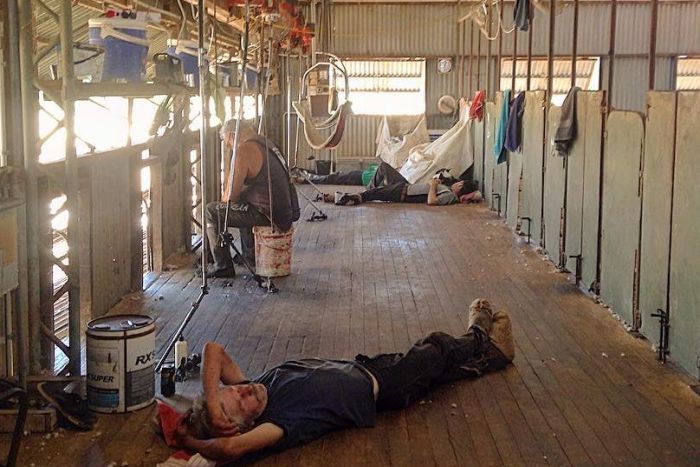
{"x": 310, "y": 397}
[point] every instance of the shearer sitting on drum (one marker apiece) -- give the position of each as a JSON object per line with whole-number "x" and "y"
{"x": 260, "y": 184}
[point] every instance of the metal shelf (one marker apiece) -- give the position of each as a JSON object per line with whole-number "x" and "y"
{"x": 86, "y": 90}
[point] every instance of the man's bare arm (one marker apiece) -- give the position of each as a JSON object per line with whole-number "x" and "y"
{"x": 247, "y": 165}
{"x": 227, "y": 174}
{"x": 432, "y": 192}
{"x": 233, "y": 447}
{"x": 218, "y": 368}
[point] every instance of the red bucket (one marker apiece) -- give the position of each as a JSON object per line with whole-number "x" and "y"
{"x": 273, "y": 252}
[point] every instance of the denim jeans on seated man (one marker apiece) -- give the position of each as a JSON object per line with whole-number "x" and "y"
{"x": 240, "y": 215}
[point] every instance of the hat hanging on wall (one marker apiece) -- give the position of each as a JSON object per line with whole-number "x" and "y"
{"x": 447, "y": 105}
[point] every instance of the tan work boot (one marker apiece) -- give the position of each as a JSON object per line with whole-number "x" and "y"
{"x": 501, "y": 334}
{"x": 481, "y": 315}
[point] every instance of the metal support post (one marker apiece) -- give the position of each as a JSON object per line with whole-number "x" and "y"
{"x": 529, "y": 53}
{"x": 497, "y": 68}
{"x": 471, "y": 60}
{"x": 652, "y": 43}
{"x": 288, "y": 80}
{"x": 488, "y": 51}
{"x": 29, "y": 312}
{"x": 478, "y": 61}
{"x": 21, "y": 308}
{"x": 574, "y": 45}
{"x": 611, "y": 52}
{"x": 460, "y": 47}
{"x": 514, "y": 59}
{"x": 550, "y": 51}
{"x": 71, "y": 186}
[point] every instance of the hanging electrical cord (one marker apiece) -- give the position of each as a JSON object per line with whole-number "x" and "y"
{"x": 183, "y": 23}
{"x": 195, "y": 16}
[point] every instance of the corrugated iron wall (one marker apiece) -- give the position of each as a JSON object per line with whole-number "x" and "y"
{"x": 383, "y": 30}
{"x": 357, "y": 143}
{"x": 436, "y": 86}
{"x": 414, "y": 30}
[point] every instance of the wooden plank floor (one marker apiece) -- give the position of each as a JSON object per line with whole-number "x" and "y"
{"x": 376, "y": 277}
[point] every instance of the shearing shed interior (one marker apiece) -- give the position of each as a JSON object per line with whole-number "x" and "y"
{"x": 349, "y": 232}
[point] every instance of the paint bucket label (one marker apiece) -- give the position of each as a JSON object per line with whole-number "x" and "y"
{"x": 140, "y": 385}
{"x": 103, "y": 368}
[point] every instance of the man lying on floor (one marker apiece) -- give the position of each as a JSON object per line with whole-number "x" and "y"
{"x": 389, "y": 185}
{"x": 301, "y": 400}
{"x": 352, "y": 177}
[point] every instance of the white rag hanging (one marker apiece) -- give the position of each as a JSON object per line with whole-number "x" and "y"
{"x": 397, "y": 135}
{"x": 453, "y": 151}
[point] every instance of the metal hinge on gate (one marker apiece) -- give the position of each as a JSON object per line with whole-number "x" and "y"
{"x": 664, "y": 327}
{"x": 636, "y": 318}
{"x": 640, "y": 185}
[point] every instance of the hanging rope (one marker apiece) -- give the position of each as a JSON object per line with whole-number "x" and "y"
{"x": 479, "y": 14}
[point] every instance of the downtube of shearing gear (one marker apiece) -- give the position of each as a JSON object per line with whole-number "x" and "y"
{"x": 267, "y": 77}
{"x": 234, "y": 153}
{"x": 263, "y": 122}
{"x": 298, "y": 123}
{"x": 204, "y": 115}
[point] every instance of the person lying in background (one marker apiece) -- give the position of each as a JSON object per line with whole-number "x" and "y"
{"x": 352, "y": 177}
{"x": 390, "y": 186}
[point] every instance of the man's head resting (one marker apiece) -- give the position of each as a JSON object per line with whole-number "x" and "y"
{"x": 462, "y": 187}
{"x": 241, "y": 404}
{"x": 228, "y": 131}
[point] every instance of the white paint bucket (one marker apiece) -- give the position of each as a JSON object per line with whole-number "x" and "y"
{"x": 273, "y": 252}
{"x": 120, "y": 363}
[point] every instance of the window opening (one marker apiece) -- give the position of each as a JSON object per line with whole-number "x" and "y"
{"x": 688, "y": 74}
{"x": 587, "y": 75}
{"x": 385, "y": 87}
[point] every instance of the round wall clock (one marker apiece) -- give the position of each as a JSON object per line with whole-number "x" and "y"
{"x": 444, "y": 65}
